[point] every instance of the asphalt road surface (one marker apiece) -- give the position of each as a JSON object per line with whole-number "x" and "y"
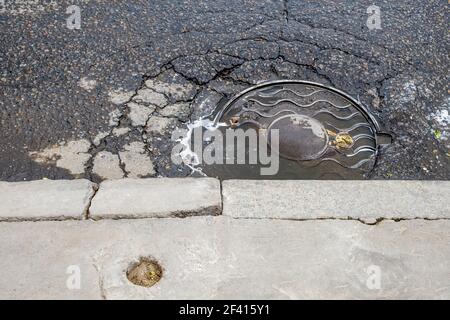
{"x": 101, "y": 101}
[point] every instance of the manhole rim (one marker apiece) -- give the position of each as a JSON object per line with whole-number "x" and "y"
{"x": 378, "y": 134}
{"x": 220, "y": 110}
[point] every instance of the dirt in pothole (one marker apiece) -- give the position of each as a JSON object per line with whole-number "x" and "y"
{"x": 145, "y": 273}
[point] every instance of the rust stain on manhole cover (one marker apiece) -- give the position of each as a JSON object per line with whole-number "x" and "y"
{"x": 323, "y": 132}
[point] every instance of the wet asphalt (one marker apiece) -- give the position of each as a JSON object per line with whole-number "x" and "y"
{"x": 399, "y": 72}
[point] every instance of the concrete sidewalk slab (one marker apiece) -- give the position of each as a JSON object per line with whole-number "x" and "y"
{"x": 45, "y": 199}
{"x": 156, "y": 197}
{"x": 225, "y": 258}
{"x": 310, "y": 199}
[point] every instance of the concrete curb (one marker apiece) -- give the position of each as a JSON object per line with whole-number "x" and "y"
{"x": 156, "y": 198}
{"x": 367, "y": 201}
{"x": 45, "y": 200}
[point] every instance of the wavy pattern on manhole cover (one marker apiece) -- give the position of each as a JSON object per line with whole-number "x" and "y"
{"x": 323, "y": 132}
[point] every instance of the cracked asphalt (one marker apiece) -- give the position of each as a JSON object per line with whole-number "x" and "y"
{"x": 101, "y": 102}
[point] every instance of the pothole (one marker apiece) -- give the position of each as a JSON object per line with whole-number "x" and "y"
{"x": 145, "y": 273}
{"x": 323, "y": 133}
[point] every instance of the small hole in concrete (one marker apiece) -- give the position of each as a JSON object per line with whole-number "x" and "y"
{"x": 145, "y": 273}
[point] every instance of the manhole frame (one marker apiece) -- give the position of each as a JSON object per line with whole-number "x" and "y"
{"x": 220, "y": 109}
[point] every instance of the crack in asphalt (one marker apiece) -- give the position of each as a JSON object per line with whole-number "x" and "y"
{"x": 286, "y": 10}
{"x": 252, "y": 42}
{"x": 95, "y": 149}
{"x": 220, "y": 73}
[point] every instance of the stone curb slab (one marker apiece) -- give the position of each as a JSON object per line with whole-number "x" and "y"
{"x": 156, "y": 197}
{"x": 224, "y": 258}
{"x": 310, "y": 199}
{"x": 45, "y": 199}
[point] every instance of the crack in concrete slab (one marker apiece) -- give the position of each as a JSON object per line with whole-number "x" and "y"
{"x": 100, "y": 281}
{"x": 368, "y": 222}
{"x": 95, "y": 189}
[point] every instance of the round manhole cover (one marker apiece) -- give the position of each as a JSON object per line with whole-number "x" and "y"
{"x": 322, "y": 133}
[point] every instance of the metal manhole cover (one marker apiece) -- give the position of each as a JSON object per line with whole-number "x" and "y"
{"x": 323, "y": 132}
